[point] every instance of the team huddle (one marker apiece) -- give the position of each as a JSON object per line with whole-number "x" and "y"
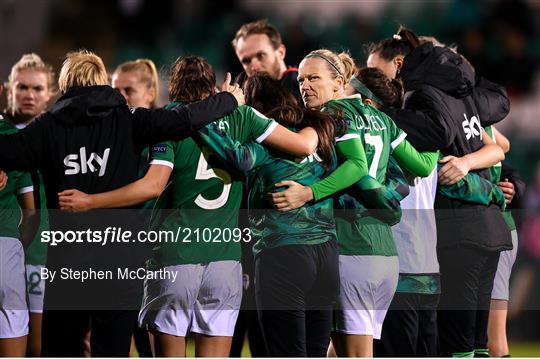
{"x": 370, "y": 202}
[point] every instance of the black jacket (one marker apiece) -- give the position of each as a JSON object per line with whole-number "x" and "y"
{"x": 491, "y": 101}
{"x": 96, "y": 122}
{"x": 91, "y": 141}
{"x": 433, "y": 75}
{"x": 443, "y": 113}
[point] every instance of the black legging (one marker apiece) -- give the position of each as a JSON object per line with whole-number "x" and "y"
{"x": 467, "y": 275}
{"x": 410, "y": 327}
{"x": 64, "y": 330}
{"x": 296, "y": 287}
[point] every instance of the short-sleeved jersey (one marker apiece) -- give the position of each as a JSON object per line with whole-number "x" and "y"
{"x": 310, "y": 224}
{"x": 36, "y": 253}
{"x": 495, "y": 173}
{"x": 18, "y": 183}
{"x": 205, "y": 196}
{"x": 379, "y": 136}
{"x": 495, "y": 170}
{"x": 144, "y": 165}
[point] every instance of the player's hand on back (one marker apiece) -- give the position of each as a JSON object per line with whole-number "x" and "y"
{"x": 3, "y": 180}
{"x": 234, "y": 89}
{"x": 295, "y": 196}
{"x": 453, "y": 170}
{"x": 72, "y": 200}
{"x": 508, "y": 189}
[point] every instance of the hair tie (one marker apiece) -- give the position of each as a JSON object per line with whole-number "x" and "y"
{"x": 325, "y": 59}
{"x": 396, "y": 37}
{"x": 359, "y": 87}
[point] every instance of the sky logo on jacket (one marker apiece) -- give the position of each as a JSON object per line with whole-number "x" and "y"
{"x": 87, "y": 163}
{"x": 472, "y": 127}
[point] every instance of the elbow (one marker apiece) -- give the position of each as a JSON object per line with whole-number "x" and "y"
{"x": 241, "y": 161}
{"x": 307, "y": 149}
{"x": 361, "y": 169}
{"x": 245, "y": 167}
{"x": 501, "y": 155}
{"x": 155, "y": 189}
{"x": 505, "y": 146}
{"x": 154, "y": 193}
{"x": 424, "y": 172}
{"x": 30, "y": 215}
{"x": 498, "y": 154}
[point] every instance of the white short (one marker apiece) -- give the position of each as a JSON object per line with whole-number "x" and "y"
{"x": 13, "y": 307}
{"x": 501, "y": 283}
{"x": 204, "y": 298}
{"x": 35, "y": 287}
{"x": 368, "y": 284}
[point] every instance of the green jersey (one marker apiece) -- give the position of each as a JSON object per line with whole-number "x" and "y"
{"x": 307, "y": 225}
{"x": 18, "y": 183}
{"x": 475, "y": 189}
{"x": 496, "y": 171}
{"x": 36, "y": 253}
{"x": 147, "y": 206}
{"x": 378, "y": 133}
{"x": 419, "y": 283}
{"x": 380, "y": 136}
{"x": 204, "y": 195}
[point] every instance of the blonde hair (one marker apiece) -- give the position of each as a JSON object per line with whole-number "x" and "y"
{"x": 433, "y": 40}
{"x": 82, "y": 68}
{"x": 341, "y": 64}
{"x": 147, "y": 71}
{"x": 30, "y": 62}
{"x": 436, "y": 43}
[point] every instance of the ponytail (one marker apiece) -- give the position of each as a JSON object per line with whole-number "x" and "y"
{"x": 401, "y": 44}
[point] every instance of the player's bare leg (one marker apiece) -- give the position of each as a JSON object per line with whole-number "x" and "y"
{"x": 34, "y": 337}
{"x": 352, "y": 345}
{"x": 497, "y": 340}
{"x": 212, "y": 346}
{"x": 13, "y": 347}
{"x": 166, "y": 345}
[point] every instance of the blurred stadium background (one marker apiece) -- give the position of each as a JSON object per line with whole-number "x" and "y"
{"x": 500, "y": 38}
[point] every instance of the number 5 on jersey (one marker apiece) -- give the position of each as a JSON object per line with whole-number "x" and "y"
{"x": 204, "y": 173}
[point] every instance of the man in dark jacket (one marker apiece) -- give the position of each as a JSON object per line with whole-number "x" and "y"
{"x": 91, "y": 140}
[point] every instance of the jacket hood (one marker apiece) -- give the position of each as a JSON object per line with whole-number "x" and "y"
{"x": 438, "y": 67}
{"x": 86, "y": 104}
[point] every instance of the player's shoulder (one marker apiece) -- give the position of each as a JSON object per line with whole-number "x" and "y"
{"x": 376, "y": 113}
{"x": 241, "y": 116}
{"x": 6, "y": 127}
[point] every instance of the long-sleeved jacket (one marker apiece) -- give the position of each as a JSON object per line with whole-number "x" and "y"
{"x": 91, "y": 140}
{"x": 443, "y": 110}
{"x": 436, "y": 81}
